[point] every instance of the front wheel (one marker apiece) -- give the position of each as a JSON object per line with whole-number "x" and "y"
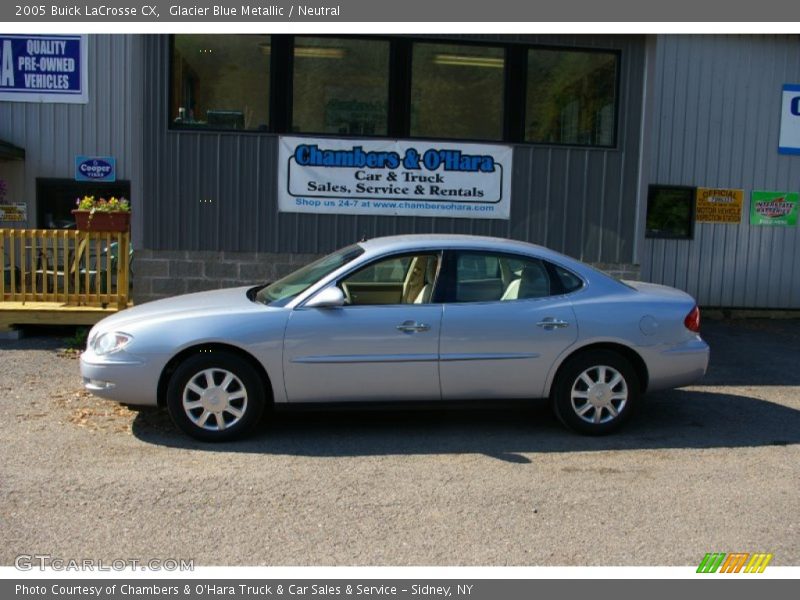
{"x": 595, "y": 392}
{"x": 215, "y": 396}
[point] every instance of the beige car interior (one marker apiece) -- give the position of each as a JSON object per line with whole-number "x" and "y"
{"x": 532, "y": 283}
{"x": 414, "y": 287}
{"x": 418, "y": 285}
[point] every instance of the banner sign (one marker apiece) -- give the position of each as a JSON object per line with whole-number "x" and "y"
{"x": 789, "y": 141}
{"x": 95, "y": 168}
{"x": 16, "y": 212}
{"x": 718, "y": 205}
{"x": 43, "y": 68}
{"x": 394, "y": 178}
{"x": 773, "y": 208}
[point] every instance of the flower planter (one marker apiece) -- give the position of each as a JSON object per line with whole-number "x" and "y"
{"x": 102, "y": 221}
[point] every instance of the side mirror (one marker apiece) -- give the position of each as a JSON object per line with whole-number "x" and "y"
{"x": 330, "y": 297}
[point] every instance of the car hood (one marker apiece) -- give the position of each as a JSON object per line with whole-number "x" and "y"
{"x": 216, "y": 302}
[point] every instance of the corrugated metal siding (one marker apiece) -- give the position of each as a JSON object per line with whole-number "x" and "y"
{"x": 717, "y": 107}
{"x": 575, "y": 200}
{"x": 53, "y": 134}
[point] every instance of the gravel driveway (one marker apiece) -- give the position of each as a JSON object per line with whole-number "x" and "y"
{"x": 714, "y": 467}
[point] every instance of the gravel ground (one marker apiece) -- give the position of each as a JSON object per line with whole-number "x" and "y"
{"x": 714, "y": 467}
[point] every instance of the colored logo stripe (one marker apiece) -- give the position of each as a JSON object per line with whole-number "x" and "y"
{"x": 711, "y": 562}
{"x": 758, "y": 563}
{"x": 733, "y": 563}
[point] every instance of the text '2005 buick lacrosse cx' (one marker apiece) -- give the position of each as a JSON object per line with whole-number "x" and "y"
{"x": 407, "y": 318}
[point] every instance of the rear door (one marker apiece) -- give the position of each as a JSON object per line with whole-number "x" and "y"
{"x": 504, "y": 324}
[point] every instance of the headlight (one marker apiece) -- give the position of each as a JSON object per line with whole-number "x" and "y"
{"x": 110, "y": 342}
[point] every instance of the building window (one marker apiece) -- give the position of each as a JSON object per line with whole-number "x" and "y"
{"x": 571, "y": 97}
{"x": 396, "y": 87}
{"x": 341, "y": 86}
{"x": 220, "y": 82}
{"x": 457, "y": 91}
{"x": 670, "y": 212}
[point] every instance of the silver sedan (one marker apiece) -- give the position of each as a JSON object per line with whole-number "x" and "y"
{"x": 408, "y": 318}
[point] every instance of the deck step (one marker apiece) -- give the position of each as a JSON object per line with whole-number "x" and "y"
{"x": 49, "y": 313}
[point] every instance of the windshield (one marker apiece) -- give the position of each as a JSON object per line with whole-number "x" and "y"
{"x": 282, "y": 291}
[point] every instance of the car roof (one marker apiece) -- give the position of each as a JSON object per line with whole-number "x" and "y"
{"x": 399, "y": 243}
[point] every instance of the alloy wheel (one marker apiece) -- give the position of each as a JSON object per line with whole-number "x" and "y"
{"x": 599, "y": 394}
{"x": 214, "y": 399}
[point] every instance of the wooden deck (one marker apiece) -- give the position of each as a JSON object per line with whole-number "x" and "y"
{"x": 62, "y": 277}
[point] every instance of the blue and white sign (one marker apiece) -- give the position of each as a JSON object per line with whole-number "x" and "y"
{"x": 43, "y": 68}
{"x": 394, "y": 178}
{"x": 789, "y": 142}
{"x": 95, "y": 168}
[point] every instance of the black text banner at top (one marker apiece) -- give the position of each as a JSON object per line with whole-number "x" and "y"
{"x": 408, "y": 11}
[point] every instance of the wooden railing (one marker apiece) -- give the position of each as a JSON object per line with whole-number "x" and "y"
{"x": 67, "y": 266}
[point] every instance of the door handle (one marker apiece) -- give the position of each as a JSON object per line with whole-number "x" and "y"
{"x": 550, "y": 323}
{"x": 412, "y": 327}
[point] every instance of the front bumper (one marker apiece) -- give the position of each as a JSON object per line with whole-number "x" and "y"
{"x": 120, "y": 377}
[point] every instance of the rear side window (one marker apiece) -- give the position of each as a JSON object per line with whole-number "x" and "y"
{"x": 474, "y": 267}
{"x": 569, "y": 281}
{"x": 474, "y": 276}
{"x": 488, "y": 277}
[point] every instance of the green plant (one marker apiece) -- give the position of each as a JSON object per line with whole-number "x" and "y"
{"x": 102, "y": 205}
{"x": 77, "y": 341}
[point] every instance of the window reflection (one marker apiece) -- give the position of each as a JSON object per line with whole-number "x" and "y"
{"x": 221, "y": 81}
{"x": 457, "y": 91}
{"x": 570, "y": 97}
{"x": 341, "y": 86}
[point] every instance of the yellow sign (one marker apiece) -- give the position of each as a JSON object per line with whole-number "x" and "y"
{"x": 14, "y": 212}
{"x": 719, "y": 206}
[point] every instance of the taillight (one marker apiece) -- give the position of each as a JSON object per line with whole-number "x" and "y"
{"x": 692, "y": 320}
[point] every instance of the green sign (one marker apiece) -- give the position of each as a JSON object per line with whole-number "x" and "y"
{"x": 774, "y": 208}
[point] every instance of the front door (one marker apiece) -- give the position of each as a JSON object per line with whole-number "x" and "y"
{"x": 382, "y": 345}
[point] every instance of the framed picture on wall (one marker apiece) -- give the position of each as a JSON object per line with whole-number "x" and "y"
{"x": 670, "y": 212}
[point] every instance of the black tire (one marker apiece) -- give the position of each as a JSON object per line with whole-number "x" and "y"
{"x": 595, "y": 415}
{"x": 239, "y": 400}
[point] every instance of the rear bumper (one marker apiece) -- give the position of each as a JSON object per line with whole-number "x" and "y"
{"x": 678, "y": 365}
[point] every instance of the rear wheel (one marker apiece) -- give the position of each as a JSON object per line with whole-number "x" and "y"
{"x": 595, "y": 392}
{"x": 215, "y": 397}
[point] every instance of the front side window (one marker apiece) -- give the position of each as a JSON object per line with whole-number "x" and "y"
{"x": 282, "y": 291}
{"x": 220, "y": 82}
{"x": 341, "y": 86}
{"x": 571, "y": 97}
{"x": 407, "y": 279}
{"x": 457, "y": 91}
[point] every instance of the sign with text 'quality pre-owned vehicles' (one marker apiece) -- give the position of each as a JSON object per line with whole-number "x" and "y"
{"x": 43, "y": 68}
{"x": 394, "y": 178}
